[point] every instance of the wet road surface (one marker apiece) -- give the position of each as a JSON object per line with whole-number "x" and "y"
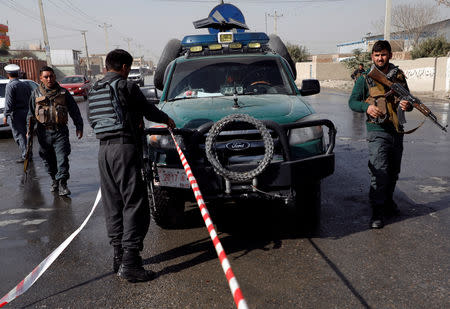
{"x": 342, "y": 264}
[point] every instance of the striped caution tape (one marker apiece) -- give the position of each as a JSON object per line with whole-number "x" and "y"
{"x": 232, "y": 281}
{"x": 32, "y": 277}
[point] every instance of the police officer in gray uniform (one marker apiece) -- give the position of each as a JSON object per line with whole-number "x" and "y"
{"x": 17, "y": 96}
{"x": 124, "y": 193}
{"x": 50, "y": 106}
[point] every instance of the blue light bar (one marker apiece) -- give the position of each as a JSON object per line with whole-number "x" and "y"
{"x": 243, "y": 37}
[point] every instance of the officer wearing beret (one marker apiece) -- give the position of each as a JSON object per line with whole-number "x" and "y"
{"x": 17, "y": 95}
{"x": 50, "y": 105}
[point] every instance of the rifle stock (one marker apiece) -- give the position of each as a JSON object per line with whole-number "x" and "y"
{"x": 30, "y": 132}
{"x": 404, "y": 94}
{"x": 379, "y": 76}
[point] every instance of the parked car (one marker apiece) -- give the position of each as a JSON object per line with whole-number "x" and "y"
{"x": 136, "y": 75}
{"x": 242, "y": 124}
{"x": 3, "y": 83}
{"x": 77, "y": 85}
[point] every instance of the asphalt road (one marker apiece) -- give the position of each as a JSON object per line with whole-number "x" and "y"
{"x": 342, "y": 264}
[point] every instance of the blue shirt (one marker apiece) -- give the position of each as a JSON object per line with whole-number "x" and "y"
{"x": 17, "y": 96}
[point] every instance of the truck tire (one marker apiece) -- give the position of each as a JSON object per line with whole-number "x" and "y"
{"x": 212, "y": 156}
{"x": 170, "y": 52}
{"x": 308, "y": 203}
{"x": 167, "y": 207}
{"x": 277, "y": 45}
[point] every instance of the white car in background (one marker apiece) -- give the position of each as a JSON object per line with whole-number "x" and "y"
{"x": 3, "y": 83}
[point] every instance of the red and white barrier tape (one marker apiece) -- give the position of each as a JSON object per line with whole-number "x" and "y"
{"x": 232, "y": 281}
{"x": 32, "y": 277}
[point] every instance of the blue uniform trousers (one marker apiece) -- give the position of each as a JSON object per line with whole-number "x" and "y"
{"x": 54, "y": 150}
{"x": 19, "y": 129}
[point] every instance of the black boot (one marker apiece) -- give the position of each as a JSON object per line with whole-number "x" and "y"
{"x": 131, "y": 268}
{"x": 377, "y": 220}
{"x": 63, "y": 190}
{"x": 117, "y": 259}
{"x": 55, "y": 185}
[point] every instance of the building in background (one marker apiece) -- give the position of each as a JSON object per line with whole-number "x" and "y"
{"x": 65, "y": 62}
{"x": 399, "y": 40}
{"x": 4, "y": 38}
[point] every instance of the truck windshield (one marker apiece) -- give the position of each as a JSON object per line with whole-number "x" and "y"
{"x": 135, "y": 71}
{"x": 227, "y": 76}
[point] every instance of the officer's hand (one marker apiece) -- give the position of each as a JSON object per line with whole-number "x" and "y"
{"x": 374, "y": 111}
{"x": 170, "y": 123}
{"x": 405, "y": 105}
{"x": 79, "y": 134}
{"x": 5, "y": 121}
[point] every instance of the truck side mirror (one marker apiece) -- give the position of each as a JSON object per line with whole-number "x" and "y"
{"x": 151, "y": 94}
{"x": 310, "y": 87}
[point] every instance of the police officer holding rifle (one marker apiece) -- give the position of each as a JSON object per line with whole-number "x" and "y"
{"x": 382, "y": 93}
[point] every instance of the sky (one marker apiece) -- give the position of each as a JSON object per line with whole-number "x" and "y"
{"x": 147, "y": 25}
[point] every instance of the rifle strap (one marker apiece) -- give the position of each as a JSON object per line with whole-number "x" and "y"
{"x": 412, "y": 130}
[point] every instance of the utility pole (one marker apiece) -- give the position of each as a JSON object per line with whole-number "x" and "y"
{"x": 128, "y": 40}
{"x": 106, "y": 26}
{"x": 387, "y": 21}
{"x": 88, "y": 64}
{"x": 265, "y": 20}
{"x": 275, "y": 17}
{"x": 44, "y": 31}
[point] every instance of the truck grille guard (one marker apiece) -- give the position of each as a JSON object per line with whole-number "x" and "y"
{"x": 197, "y": 136}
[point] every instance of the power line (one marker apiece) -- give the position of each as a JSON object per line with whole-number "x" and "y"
{"x": 32, "y": 14}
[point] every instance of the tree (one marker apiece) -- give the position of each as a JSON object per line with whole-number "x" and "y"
{"x": 432, "y": 47}
{"x": 298, "y": 53}
{"x": 411, "y": 19}
{"x": 358, "y": 57}
{"x": 4, "y": 49}
{"x": 444, "y": 2}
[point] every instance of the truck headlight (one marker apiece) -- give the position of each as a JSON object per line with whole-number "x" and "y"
{"x": 303, "y": 135}
{"x": 164, "y": 142}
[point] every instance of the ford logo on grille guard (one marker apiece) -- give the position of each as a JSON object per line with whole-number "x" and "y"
{"x": 237, "y": 145}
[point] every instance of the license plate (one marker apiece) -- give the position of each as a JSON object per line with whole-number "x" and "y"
{"x": 170, "y": 177}
{"x": 71, "y": 92}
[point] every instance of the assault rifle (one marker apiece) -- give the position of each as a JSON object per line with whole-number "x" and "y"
{"x": 30, "y": 132}
{"x": 404, "y": 94}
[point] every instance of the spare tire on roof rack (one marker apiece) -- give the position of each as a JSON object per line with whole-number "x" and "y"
{"x": 171, "y": 51}
{"x": 277, "y": 45}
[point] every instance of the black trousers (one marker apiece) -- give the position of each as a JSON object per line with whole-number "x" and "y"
{"x": 124, "y": 194}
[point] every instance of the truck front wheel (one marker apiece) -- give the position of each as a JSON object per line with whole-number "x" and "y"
{"x": 167, "y": 207}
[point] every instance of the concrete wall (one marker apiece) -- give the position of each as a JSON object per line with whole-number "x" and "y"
{"x": 322, "y": 71}
{"x": 424, "y": 74}
{"x": 332, "y": 71}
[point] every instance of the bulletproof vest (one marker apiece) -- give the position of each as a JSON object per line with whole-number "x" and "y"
{"x": 51, "y": 110}
{"x": 386, "y": 101}
{"x": 105, "y": 112}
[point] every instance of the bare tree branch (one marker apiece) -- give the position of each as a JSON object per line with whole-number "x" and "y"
{"x": 411, "y": 19}
{"x": 444, "y": 2}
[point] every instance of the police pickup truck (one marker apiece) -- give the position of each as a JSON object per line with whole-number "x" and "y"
{"x": 242, "y": 124}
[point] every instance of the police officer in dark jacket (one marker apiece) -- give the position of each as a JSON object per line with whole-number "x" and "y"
{"x": 17, "y": 96}
{"x": 124, "y": 193}
{"x": 357, "y": 73}
{"x": 50, "y": 106}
